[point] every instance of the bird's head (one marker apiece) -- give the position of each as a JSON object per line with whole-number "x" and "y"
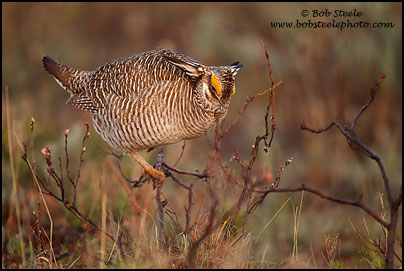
{"x": 214, "y": 85}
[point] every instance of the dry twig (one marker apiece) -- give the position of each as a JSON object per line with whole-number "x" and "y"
{"x": 356, "y": 144}
{"x": 59, "y": 180}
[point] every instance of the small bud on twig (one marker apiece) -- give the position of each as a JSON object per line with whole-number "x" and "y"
{"x": 67, "y": 131}
{"x": 46, "y": 151}
{"x": 32, "y": 124}
{"x": 268, "y": 177}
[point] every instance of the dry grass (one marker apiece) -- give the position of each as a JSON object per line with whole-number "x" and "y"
{"x": 210, "y": 242}
{"x": 325, "y": 77}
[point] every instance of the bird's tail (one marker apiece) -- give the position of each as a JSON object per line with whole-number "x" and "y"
{"x": 63, "y": 74}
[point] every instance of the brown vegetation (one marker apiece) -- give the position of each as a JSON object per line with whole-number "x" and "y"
{"x": 266, "y": 195}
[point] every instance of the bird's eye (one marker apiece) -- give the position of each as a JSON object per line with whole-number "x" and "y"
{"x": 215, "y": 84}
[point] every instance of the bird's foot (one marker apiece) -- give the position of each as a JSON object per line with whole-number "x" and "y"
{"x": 156, "y": 174}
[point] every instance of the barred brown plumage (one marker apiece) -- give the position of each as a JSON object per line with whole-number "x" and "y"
{"x": 152, "y": 98}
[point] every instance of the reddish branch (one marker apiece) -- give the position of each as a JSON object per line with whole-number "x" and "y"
{"x": 83, "y": 149}
{"x": 352, "y": 139}
{"x": 69, "y": 205}
{"x": 190, "y": 203}
{"x": 157, "y": 183}
{"x": 167, "y": 169}
{"x": 247, "y": 102}
{"x": 183, "y": 172}
{"x": 356, "y": 144}
{"x": 358, "y": 202}
{"x": 182, "y": 152}
{"x": 246, "y": 166}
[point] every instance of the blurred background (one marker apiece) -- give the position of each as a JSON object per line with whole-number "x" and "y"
{"x": 326, "y": 75}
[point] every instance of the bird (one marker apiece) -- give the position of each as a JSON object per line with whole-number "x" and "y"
{"x": 150, "y": 99}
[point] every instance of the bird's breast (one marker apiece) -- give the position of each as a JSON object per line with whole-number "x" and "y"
{"x": 159, "y": 117}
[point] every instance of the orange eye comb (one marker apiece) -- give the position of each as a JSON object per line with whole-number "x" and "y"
{"x": 215, "y": 82}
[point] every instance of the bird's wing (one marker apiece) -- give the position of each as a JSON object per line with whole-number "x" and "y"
{"x": 131, "y": 76}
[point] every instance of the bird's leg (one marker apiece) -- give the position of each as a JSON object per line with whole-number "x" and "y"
{"x": 147, "y": 167}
